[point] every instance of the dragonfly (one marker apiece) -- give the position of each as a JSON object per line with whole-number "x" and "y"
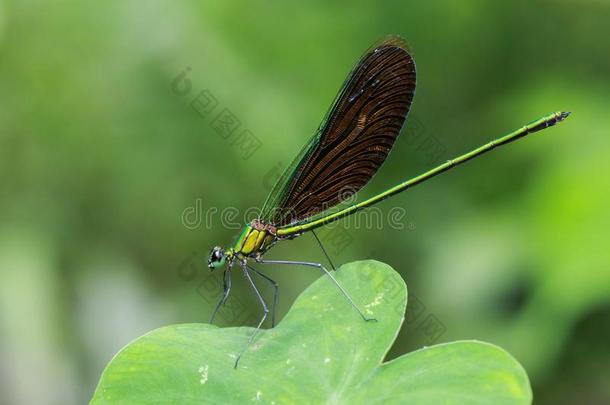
{"x": 352, "y": 142}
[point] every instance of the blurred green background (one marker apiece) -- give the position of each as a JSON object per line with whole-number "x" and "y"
{"x": 104, "y": 164}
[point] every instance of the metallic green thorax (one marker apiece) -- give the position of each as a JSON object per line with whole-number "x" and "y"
{"x": 255, "y": 239}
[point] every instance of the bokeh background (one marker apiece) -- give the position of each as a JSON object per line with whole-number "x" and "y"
{"x": 113, "y": 180}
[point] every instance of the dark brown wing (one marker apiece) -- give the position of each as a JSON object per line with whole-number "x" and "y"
{"x": 354, "y": 139}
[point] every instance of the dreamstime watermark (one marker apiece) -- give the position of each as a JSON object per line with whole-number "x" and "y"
{"x": 224, "y": 122}
{"x": 199, "y": 217}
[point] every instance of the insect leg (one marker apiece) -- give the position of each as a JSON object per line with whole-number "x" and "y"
{"x": 226, "y": 280}
{"x": 265, "y": 309}
{"x": 323, "y": 269}
{"x": 323, "y": 250}
{"x": 276, "y": 292}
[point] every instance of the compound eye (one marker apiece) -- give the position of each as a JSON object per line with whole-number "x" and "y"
{"x": 217, "y": 258}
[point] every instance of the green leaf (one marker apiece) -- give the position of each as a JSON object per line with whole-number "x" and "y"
{"x": 321, "y": 352}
